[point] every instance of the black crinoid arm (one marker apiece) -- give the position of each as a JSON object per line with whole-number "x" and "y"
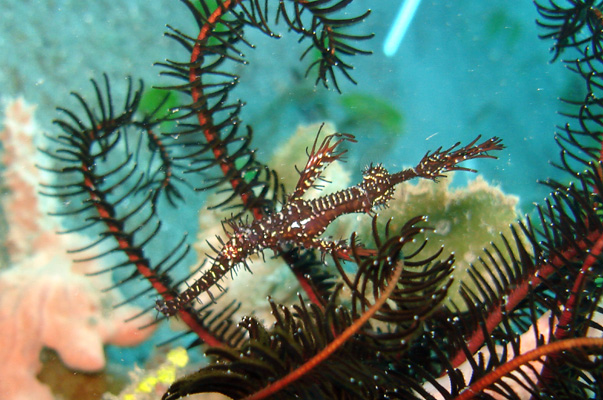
{"x": 113, "y": 166}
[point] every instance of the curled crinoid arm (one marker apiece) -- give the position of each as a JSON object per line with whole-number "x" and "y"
{"x": 319, "y": 159}
{"x": 569, "y": 24}
{"x": 109, "y": 193}
{"x": 328, "y": 29}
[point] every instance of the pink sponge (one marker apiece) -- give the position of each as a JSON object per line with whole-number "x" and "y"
{"x": 53, "y": 307}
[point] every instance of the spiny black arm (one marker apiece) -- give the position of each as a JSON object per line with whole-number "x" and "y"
{"x": 104, "y": 183}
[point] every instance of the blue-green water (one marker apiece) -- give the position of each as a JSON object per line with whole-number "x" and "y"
{"x": 463, "y": 69}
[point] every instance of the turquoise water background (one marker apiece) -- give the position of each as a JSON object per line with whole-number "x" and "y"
{"x": 463, "y": 69}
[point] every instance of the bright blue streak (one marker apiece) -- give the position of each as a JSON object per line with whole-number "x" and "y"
{"x": 400, "y": 26}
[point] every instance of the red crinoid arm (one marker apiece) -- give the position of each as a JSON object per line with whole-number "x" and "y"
{"x": 319, "y": 159}
{"x": 133, "y": 252}
{"x": 334, "y": 345}
{"x": 519, "y": 293}
{"x": 515, "y": 363}
{"x": 570, "y": 307}
{"x": 211, "y": 133}
{"x": 94, "y": 168}
{"x": 204, "y": 115}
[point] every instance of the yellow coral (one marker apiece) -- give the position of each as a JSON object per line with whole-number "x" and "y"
{"x": 166, "y": 375}
{"x": 178, "y": 357}
{"x": 147, "y": 384}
